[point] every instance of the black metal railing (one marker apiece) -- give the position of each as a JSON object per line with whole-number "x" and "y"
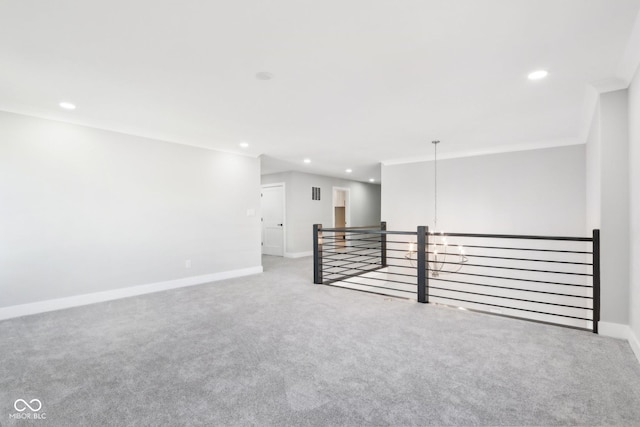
{"x": 551, "y": 279}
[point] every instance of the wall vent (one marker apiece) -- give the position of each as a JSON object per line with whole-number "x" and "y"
{"x": 315, "y": 193}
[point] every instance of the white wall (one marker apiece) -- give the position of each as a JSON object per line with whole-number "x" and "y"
{"x": 607, "y": 181}
{"x": 614, "y": 207}
{"x": 634, "y": 209}
{"x": 593, "y": 172}
{"x": 526, "y": 192}
{"x": 302, "y": 212}
{"x": 84, "y": 210}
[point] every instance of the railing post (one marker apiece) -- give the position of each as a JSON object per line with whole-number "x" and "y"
{"x": 426, "y": 263}
{"x": 317, "y": 254}
{"x": 596, "y": 280}
{"x": 421, "y": 254}
{"x": 383, "y": 245}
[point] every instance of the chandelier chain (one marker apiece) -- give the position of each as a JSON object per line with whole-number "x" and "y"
{"x": 435, "y": 184}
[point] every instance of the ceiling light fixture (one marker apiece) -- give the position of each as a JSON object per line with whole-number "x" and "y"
{"x": 244, "y": 144}
{"x": 372, "y": 180}
{"x": 307, "y": 161}
{"x": 538, "y": 74}
{"x": 348, "y": 171}
{"x": 67, "y": 105}
{"x": 438, "y": 246}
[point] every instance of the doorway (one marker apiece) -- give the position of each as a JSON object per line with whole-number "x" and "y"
{"x": 341, "y": 213}
{"x": 273, "y": 219}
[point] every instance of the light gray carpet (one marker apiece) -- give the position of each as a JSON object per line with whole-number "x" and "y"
{"x": 273, "y": 349}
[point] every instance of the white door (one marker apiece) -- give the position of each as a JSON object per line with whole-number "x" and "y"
{"x": 273, "y": 219}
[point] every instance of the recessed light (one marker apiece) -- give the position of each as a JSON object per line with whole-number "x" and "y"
{"x": 372, "y": 180}
{"x": 244, "y": 144}
{"x": 538, "y": 74}
{"x": 264, "y": 75}
{"x": 67, "y": 105}
{"x": 348, "y": 171}
{"x": 307, "y": 160}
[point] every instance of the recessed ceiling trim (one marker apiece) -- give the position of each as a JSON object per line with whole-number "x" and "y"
{"x": 492, "y": 150}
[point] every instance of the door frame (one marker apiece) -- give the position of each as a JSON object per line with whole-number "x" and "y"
{"x": 284, "y": 215}
{"x": 347, "y": 206}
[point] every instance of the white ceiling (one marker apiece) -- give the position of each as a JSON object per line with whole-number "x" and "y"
{"x": 356, "y": 82}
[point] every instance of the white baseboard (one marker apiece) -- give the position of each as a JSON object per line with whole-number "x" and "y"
{"x": 96, "y": 297}
{"x": 617, "y": 330}
{"x": 635, "y": 344}
{"x": 297, "y": 254}
{"x": 613, "y": 330}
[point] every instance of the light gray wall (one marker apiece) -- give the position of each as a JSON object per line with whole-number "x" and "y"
{"x": 302, "y": 212}
{"x": 526, "y": 192}
{"x": 84, "y": 210}
{"x": 593, "y": 172}
{"x": 634, "y": 196}
{"x": 614, "y": 207}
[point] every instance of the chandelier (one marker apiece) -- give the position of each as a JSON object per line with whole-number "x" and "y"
{"x": 442, "y": 254}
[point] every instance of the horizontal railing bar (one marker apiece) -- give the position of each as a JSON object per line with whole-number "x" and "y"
{"x": 341, "y": 278}
{"x": 339, "y": 230}
{"x": 359, "y": 263}
{"x": 526, "y": 249}
{"x": 379, "y": 287}
{"x": 351, "y": 237}
{"x": 344, "y": 251}
{"x": 396, "y": 250}
{"x": 403, "y": 258}
{"x": 364, "y": 230}
{"x": 369, "y": 291}
{"x": 522, "y": 280}
{"x": 509, "y": 298}
{"x": 495, "y": 247}
{"x": 346, "y": 276}
{"x": 367, "y": 230}
{"x": 356, "y": 236}
{"x": 357, "y": 251}
{"x": 386, "y": 265}
{"x": 333, "y": 277}
{"x": 513, "y": 259}
{"x": 386, "y": 280}
{"x": 367, "y": 227}
{"x": 402, "y": 242}
{"x": 359, "y": 246}
{"x": 350, "y": 248}
{"x": 513, "y": 268}
{"x": 333, "y": 273}
{"x": 499, "y": 247}
{"x": 513, "y": 236}
{"x": 513, "y": 308}
{"x": 367, "y": 261}
{"x": 347, "y": 257}
{"x": 343, "y": 245}
{"x": 352, "y": 234}
{"x": 369, "y": 241}
{"x": 342, "y": 242}
{"x": 350, "y": 254}
{"x": 346, "y": 267}
{"x": 511, "y": 289}
{"x": 337, "y": 269}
